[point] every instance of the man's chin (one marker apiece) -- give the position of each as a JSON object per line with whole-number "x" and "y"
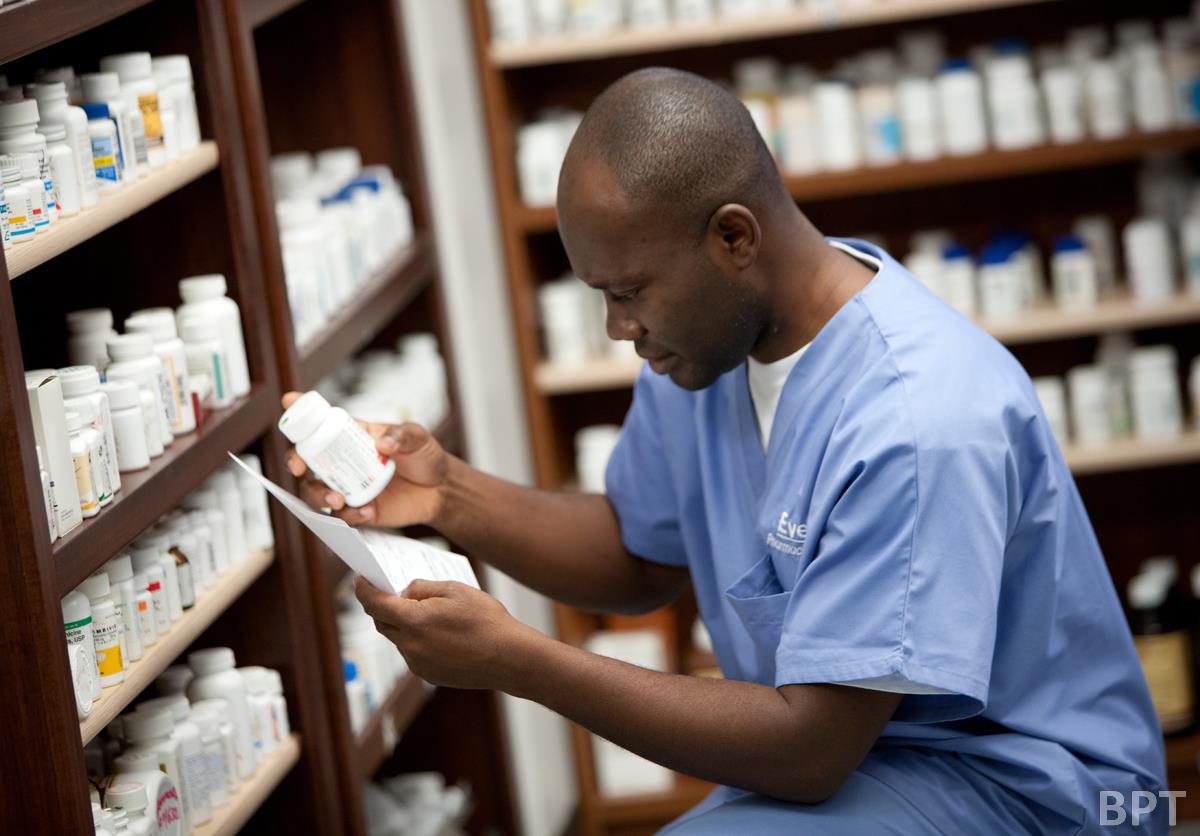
{"x": 690, "y": 377}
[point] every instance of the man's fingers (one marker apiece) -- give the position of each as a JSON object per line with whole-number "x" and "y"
{"x": 382, "y": 606}
{"x": 404, "y": 439}
{"x": 296, "y": 465}
{"x": 290, "y": 398}
{"x": 318, "y": 495}
{"x": 420, "y": 589}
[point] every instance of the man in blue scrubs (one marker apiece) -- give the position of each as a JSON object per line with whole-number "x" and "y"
{"x": 916, "y": 625}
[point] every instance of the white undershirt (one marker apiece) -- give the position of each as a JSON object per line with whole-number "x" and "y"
{"x": 766, "y": 388}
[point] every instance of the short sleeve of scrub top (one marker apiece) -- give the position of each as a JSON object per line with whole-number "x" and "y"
{"x": 640, "y": 487}
{"x": 905, "y": 577}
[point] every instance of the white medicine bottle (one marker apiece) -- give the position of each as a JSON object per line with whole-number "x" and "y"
{"x": 82, "y": 394}
{"x": 204, "y": 296}
{"x": 19, "y": 223}
{"x": 134, "y": 358}
{"x": 77, "y": 624}
{"x": 216, "y": 678}
{"x": 106, "y": 629}
{"x": 159, "y": 323}
{"x": 67, "y": 193}
{"x": 130, "y": 796}
{"x": 90, "y": 477}
{"x": 128, "y": 425}
{"x": 340, "y": 452}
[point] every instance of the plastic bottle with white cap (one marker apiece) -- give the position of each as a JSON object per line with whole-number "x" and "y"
{"x": 1090, "y": 421}
{"x": 205, "y": 502}
{"x": 53, "y": 109}
{"x": 133, "y": 358}
{"x": 82, "y": 394}
{"x": 204, "y": 296}
{"x": 106, "y": 629}
{"x": 218, "y": 709}
{"x": 259, "y": 534}
{"x": 151, "y": 731}
{"x": 173, "y": 74}
{"x": 88, "y": 333}
{"x": 39, "y": 189}
{"x": 128, "y": 425}
{"x": 18, "y": 136}
{"x": 214, "y": 755}
{"x": 224, "y": 485}
{"x": 144, "y": 590}
{"x": 162, "y": 795}
{"x": 120, "y": 579}
{"x": 182, "y": 546}
{"x": 1148, "y": 256}
{"x": 106, "y": 146}
{"x": 1154, "y": 387}
{"x": 105, "y": 88}
{"x": 159, "y": 323}
{"x": 68, "y": 196}
{"x": 340, "y": 452}
{"x": 216, "y": 677}
{"x": 205, "y": 354}
{"x": 135, "y": 71}
{"x": 192, "y": 761}
{"x": 77, "y": 624}
{"x": 1073, "y": 274}
{"x": 148, "y": 560}
{"x": 129, "y": 796}
{"x": 960, "y": 99}
{"x": 91, "y": 478}
{"x": 16, "y": 206}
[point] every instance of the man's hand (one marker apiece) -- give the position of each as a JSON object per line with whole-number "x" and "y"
{"x": 450, "y": 634}
{"x": 413, "y": 497}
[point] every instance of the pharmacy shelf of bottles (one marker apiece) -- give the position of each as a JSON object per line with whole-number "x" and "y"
{"x": 113, "y": 208}
{"x": 156, "y": 658}
{"x": 665, "y": 35}
{"x": 395, "y": 285}
{"x": 146, "y": 495}
{"x": 972, "y": 168}
{"x": 379, "y": 736}
{"x": 243, "y": 802}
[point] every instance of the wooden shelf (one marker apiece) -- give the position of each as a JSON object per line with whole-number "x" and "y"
{"x": 561, "y": 50}
{"x": 378, "y": 737}
{"x": 229, "y": 820}
{"x": 1132, "y": 454}
{"x": 1041, "y": 324}
{"x": 946, "y": 171}
{"x": 375, "y": 305}
{"x": 148, "y": 494}
{"x": 29, "y": 25}
{"x": 126, "y": 201}
{"x": 163, "y": 653}
{"x": 1117, "y": 314}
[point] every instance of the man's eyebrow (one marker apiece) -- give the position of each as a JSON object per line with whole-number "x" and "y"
{"x": 620, "y": 281}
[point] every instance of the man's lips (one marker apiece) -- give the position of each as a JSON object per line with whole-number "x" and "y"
{"x": 662, "y": 363}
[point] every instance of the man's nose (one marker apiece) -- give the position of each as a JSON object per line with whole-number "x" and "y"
{"x": 620, "y": 325}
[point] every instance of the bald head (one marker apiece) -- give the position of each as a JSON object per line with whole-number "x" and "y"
{"x": 677, "y": 146}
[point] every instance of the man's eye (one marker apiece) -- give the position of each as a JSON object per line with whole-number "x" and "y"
{"x": 626, "y": 297}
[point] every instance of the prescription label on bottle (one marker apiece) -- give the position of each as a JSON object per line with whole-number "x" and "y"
{"x": 74, "y": 630}
{"x": 169, "y": 403}
{"x": 174, "y": 388}
{"x": 104, "y": 158}
{"x": 349, "y": 463}
{"x": 108, "y": 647}
{"x": 1167, "y": 663}
{"x": 152, "y": 119}
{"x": 83, "y": 483}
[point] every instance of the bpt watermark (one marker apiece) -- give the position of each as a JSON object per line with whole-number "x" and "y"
{"x": 1116, "y": 809}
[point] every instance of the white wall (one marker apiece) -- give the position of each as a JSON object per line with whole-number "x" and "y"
{"x": 450, "y": 112}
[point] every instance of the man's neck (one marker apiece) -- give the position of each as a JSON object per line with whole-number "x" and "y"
{"x": 809, "y": 282}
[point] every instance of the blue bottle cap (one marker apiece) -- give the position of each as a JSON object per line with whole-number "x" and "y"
{"x": 956, "y": 65}
{"x": 349, "y": 670}
{"x": 952, "y": 251}
{"x": 96, "y": 110}
{"x": 1069, "y": 244}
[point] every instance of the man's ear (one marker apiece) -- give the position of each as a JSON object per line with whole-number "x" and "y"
{"x": 734, "y": 236}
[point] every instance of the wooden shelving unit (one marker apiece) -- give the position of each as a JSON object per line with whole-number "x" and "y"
{"x": 229, "y": 820}
{"x": 163, "y": 653}
{"x": 542, "y": 51}
{"x": 974, "y": 168}
{"x": 113, "y": 208}
{"x": 379, "y": 736}
{"x": 148, "y": 494}
{"x": 1134, "y": 497}
{"x": 210, "y": 211}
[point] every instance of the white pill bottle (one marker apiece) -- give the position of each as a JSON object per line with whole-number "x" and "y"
{"x": 339, "y": 451}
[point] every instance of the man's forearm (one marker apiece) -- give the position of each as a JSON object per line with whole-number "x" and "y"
{"x": 566, "y": 546}
{"x": 741, "y": 734}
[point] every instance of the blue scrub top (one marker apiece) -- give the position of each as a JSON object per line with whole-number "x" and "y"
{"x": 912, "y": 516}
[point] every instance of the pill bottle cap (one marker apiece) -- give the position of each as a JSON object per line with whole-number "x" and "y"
{"x": 956, "y": 65}
{"x": 159, "y": 323}
{"x": 995, "y": 254}
{"x": 89, "y": 320}
{"x": 130, "y": 346}
{"x": 339, "y": 164}
{"x": 349, "y": 670}
{"x": 304, "y": 416}
{"x": 213, "y": 705}
{"x": 13, "y": 114}
{"x": 952, "y": 251}
{"x": 53, "y": 133}
{"x": 63, "y": 74}
{"x": 1151, "y": 358}
{"x": 95, "y": 586}
{"x": 136, "y": 762}
{"x": 79, "y": 380}
{"x": 122, "y": 394}
{"x": 130, "y": 66}
{"x": 199, "y": 288}
{"x": 174, "y": 67}
{"x": 119, "y": 568}
{"x": 174, "y": 680}
{"x": 211, "y": 660}
{"x": 148, "y": 725}
{"x": 96, "y": 111}
{"x": 10, "y": 173}
{"x": 74, "y": 421}
{"x": 100, "y": 87}
{"x": 47, "y": 93}
{"x": 175, "y": 704}
{"x": 1069, "y": 244}
{"x": 126, "y": 794}
{"x": 30, "y": 169}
